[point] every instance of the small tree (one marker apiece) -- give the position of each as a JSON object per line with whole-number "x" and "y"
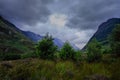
{"x": 78, "y": 55}
{"x": 67, "y": 52}
{"x": 46, "y": 48}
{"x": 115, "y": 40}
{"x": 94, "y": 51}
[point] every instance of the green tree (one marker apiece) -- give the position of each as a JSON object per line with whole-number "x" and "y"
{"x": 94, "y": 51}
{"x": 115, "y": 40}
{"x": 67, "y": 52}
{"x": 46, "y": 48}
{"x": 78, "y": 55}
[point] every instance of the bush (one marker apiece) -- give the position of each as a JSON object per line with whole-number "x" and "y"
{"x": 46, "y": 48}
{"x": 67, "y": 52}
{"x": 94, "y": 51}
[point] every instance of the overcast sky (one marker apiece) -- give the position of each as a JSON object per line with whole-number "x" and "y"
{"x": 72, "y": 20}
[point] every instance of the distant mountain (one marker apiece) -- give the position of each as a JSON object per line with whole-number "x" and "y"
{"x": 35, "y": 38}
{"x": 32, "y": 36}
{"x": 12, "y": 40}
{"x": 104, "y": 30}
{"x": 58, "y": 42}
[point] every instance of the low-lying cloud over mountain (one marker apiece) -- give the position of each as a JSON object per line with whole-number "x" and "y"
{"x": 73, "y": 20}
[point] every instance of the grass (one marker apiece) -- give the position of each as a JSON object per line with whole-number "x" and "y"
{"x": 36, "y": 69}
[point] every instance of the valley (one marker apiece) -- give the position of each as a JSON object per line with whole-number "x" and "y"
{"x": 25, "y": 55}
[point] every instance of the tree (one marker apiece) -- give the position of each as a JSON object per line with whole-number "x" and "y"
{"x": 46, "y": 48}
{"x": 115, "y": 40}
{"x": 67, "y": 52}
{"x": 78, "y": 55}
{"x": 94, "y": 51}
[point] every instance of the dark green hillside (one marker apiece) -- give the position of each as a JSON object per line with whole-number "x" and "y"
{"x": 11, "y": 39}
{"x": 104, "y": 30}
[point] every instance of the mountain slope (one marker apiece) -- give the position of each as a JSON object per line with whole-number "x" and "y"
{"x": 104, "y": 30}
{"x": 11, "y": 39}
{"x": 32, "y": 36}
{"x": 35, "y": 38}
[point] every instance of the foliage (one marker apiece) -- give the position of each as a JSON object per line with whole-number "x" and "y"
{"x": 115, "y": 40}
{"x": 67, "y": 52}
{"x": 94, "y": 51}
{"x": 46, "y": 48}
{"x": 106, "y": 50}
{"x": 78, "y": 55}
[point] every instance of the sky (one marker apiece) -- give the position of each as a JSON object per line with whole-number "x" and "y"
{"x": 72, "y": 20}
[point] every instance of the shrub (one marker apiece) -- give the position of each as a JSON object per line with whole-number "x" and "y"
{"x": 67, "y": 52}
{"x": 46, "y": 48}
{"x": 94, "y": 51}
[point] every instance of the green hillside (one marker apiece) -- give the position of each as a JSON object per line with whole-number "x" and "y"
{"x": 12, "y": 40}
{"x": 104, "y": 31}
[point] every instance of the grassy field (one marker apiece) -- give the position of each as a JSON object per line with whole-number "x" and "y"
{"x": 36, "y": 69}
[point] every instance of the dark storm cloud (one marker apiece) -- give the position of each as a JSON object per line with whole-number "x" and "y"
{"x": 27, "y": 12}
{"x": 88, "y": 14}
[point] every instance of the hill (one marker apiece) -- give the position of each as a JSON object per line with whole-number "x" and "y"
{"x": 12, "y": 40}
{"x": 104, "y": 30}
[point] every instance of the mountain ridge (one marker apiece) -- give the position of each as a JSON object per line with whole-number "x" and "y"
{"x": 104, "y": 30}
{"x": 36, "y": 38}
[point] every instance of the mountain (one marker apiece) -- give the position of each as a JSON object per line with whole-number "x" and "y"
{"x": 36, "y": 37}
{"x": 58, "y": 42}
{"x": 104, "y": 30}
{"x": 12, "y": 40}
{"x": 32, "y": 36}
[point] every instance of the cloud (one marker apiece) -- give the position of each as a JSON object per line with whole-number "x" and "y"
{"x": 77, "y": 37}
{"x": 25, "y": 11}
{"x": 88, "y": 14}
{"x": 59, "y": 20}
